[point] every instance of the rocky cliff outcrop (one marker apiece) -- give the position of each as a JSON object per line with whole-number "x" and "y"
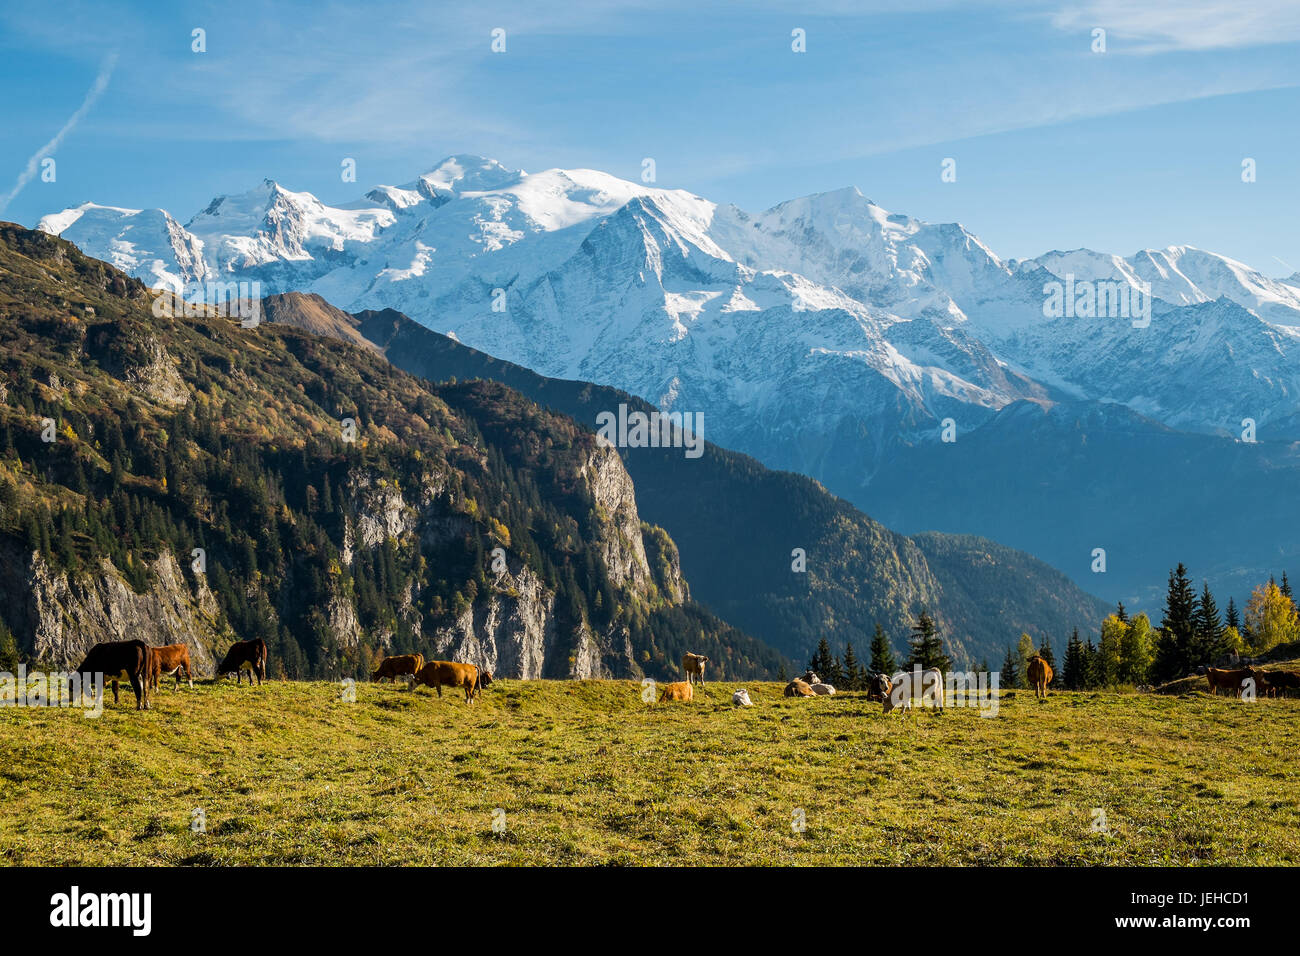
{"x": 58, "y": 617}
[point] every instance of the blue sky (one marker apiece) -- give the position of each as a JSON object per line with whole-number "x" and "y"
{"x": 1056, "y": 146}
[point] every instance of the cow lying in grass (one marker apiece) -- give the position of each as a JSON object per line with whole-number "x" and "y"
{"x": 119, "y": 661}
{"x": 680, "y": 690}
{"x": 798, "y": 688}
{"x": 878, "y": 687}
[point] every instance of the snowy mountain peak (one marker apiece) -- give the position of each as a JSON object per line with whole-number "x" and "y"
{"x": 823, "y": 316}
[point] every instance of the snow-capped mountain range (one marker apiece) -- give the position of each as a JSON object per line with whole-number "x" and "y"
{"x": 824, "y": 328}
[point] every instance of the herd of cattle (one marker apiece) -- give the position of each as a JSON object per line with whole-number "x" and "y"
{"x": 144, "y": 667}
{"x": 1239, "y": 680}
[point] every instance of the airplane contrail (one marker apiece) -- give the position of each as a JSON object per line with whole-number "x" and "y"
{"x": 96, "y": 89}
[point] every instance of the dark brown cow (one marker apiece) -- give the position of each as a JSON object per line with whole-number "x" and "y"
{"x": 169, "y": 659}
{"x": 878, "y": 687}
{"x": 245, "y": 656}
{"x": 1282, "y": 681}
{"x": 1040, "y": 675}
{"x": 403, "y": 665}
{"x": 450, "y": 674}
{"x": 118, "y": 661}
{"x": 1226, "y": 679}
{"x": 484, "y": 678}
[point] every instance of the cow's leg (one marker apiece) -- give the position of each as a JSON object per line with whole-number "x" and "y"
{"x": 141, "y": 688}
{"x": 440, "y": 690}
{"x": 115, "y": 691}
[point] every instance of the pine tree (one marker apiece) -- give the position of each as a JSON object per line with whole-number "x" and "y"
{"x": 1207, "y": 645}
{"x": 1092, "y": 669}
{"x": 1075, "y": 672}
{"x": 820, "y": 663}
{"x": 882, "y": 654}
{"x": 1010, "y": 674}
{"x": 1285, "y": 588}
{"x": 1121, "y": 613}
{"x": 927, "y": 646}
{"x": 834, "y": 675}
{"x": 852, "y": 676}
{"x": 1176, "y": 645}
{"x": 1231, "y": 617}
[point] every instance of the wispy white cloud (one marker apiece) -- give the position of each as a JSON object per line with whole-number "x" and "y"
{"x": 96, "y": 90}
{"x": 1163, "y": 26}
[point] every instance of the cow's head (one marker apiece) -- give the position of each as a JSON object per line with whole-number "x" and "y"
{"x": 484, "y": 678}
{"x": 881, "y": 686}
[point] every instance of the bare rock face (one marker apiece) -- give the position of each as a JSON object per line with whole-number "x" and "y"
{"x": 620, "y": 543}
{"x": 158, "y": 379}
{"x": 510, "y": 631}
{"x": 57, "y": 618}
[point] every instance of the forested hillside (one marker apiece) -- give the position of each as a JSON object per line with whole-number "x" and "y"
{"x": 737, "y": 524}
{"x": 189, "y": 479}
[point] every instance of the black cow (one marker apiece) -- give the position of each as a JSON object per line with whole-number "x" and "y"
{"x": 118, "y": 661}
{"x": 245, "y": 655}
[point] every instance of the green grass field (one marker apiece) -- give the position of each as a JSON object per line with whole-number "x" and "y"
{"x": 586, "y": 773}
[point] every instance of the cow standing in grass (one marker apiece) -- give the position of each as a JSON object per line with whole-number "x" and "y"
{"x": 693, "y": 666}
{"x": 402, "y": 665}
{"x": 167, "y": 660}
{"x": 438, "y": 674}
{"x": 1226, "y": 680}
{"x": 1040, "y": 675}
{"x": 118, "y": 661}
{"x": 245, "y": 656}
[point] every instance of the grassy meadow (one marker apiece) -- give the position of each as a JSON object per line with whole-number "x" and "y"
{"x": 289, "y": 773}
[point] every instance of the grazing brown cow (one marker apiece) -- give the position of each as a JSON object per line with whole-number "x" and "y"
{"x": 1039, "y": 673}
{"x": 1226, "y": 679}
{"x": 484, "y": 678}
{"x": 451, "y": 674}
{"x": 681, "y": 690}
{"x": 118, "y": 661}
{"x": 403, "y": 665}
{"x": 798, "y": 688}
{"x": 245, "y": 656}
{"x": 693, "y": 665}
{"x": 169, "y": 659}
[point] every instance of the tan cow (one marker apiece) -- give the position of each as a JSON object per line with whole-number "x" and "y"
{"x": 681, "y": 690}
{"x": 1040, "y": 675}
{"x": 401, "y": 665}
{"x": 169, "y": 659}
{"x": 693, "y": 665}
{"x": 438, "y": 674}
{"x": 799, "y": 688}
